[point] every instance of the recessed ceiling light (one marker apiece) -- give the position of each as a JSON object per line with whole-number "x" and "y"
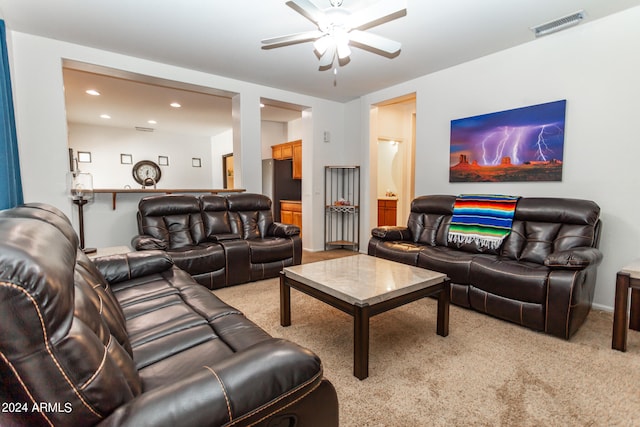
{"x": 92, "y": 92}
{"x": 175, "y": 105}
{"x": 152, "y": 122}
{"x": 261, "y": 105}
{"x": 105, "y": 116}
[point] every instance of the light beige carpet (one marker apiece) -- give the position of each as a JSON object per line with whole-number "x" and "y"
{"x": 487, "y": 372}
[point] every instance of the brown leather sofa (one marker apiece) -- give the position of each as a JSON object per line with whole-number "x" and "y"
{"x": 131, "y": 340}
{"x": 543, "y": 276}
{"x": 219, "y": 240}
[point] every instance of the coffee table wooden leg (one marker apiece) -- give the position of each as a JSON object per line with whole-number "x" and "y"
{"x": 285, "y": 302}
{"x": 361, "y": 342}
{"x": 634, "y": 311}
{"x": 443, "y": 310}
{"x": 620, "y": 319}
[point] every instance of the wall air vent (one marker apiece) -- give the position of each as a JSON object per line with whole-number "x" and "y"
{"x": 143, "y": 129}
{"x": 558, "y": 24}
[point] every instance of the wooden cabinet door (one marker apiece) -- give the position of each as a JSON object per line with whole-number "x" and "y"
{"x": 297, "y": 160}
{"x": 387, "y": 212}
{"x": 286, "y": 217}
{"x": 276, "y": 152}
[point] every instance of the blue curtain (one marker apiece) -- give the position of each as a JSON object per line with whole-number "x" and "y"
{"x": 10, "y": 183}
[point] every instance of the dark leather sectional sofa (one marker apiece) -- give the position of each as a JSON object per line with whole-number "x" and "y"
{"x": 219, "y": 240}
{"x": 131, "y": 340}
{"x": 543, "y": 276}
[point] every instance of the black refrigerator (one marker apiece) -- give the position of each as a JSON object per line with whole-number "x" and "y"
{"x": 279, "y": 174}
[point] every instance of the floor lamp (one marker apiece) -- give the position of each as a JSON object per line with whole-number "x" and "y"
{"x": 81, "y": 193}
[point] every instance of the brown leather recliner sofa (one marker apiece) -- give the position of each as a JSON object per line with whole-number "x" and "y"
{"x": 219, "y": 240}
{"x": 543, "y": 275}
{"x": 131, "y": 340}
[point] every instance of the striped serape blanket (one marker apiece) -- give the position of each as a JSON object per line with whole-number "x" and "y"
{"x": 483, "y": 219}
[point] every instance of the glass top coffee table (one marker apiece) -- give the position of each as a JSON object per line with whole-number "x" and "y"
{"x": 363, "y": 286}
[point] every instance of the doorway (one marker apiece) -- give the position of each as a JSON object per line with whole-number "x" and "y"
{"x": 392, "y": 130}
{"x": 227, "y": 171}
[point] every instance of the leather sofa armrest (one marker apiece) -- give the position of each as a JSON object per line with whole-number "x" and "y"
{"x": 121, "y": 267}
{"x": 143, "y": 242}
{"x": 278, "y": 229}
{"x": 240, "y": 390}
{"x": 391, "y": 233}
{"x": 574, "y": 259}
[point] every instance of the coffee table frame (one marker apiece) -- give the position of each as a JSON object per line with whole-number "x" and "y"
{"x": 363, "y": 312}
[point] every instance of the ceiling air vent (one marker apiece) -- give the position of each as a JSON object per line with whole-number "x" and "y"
{"x": 143, "y": 129}
{"x": 558, "y": 24}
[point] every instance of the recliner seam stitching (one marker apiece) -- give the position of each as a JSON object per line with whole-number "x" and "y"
{"x": 224, "y": 392}
{"x": 24, "y": 386}
{"x": 47, "y": 347}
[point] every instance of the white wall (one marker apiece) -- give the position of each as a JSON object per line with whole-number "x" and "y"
{"x": 595, "y": 67}
{"x": 107, "y": 143}
{"x": 272, "y": 133}
{"x": 36, "y": 65}
{"x": 221, "y": 144}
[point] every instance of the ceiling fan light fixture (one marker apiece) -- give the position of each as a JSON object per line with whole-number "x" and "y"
{"x": 337, "y": 29}
{"x": 321, "y": 45}
{"x": 343, "y": 50}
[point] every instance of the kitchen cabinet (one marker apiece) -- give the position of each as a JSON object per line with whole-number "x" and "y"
{"x": 291, "y": 213}
{"x": 387, "y": 212}
{"x": 290, "y": 150}
{"x": 297, "y": 159}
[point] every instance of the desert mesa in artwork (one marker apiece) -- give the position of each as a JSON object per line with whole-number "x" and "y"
{"x": 523, "y": 144}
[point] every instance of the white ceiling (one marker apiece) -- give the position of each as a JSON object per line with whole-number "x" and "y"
{"x": 223, "y": 37}
{"x": 132, "y": 100}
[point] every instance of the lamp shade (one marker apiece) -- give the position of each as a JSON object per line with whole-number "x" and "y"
{"x": 80, "y": 186}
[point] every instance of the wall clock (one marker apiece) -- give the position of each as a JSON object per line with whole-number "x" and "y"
{"x": 146, "y": 172}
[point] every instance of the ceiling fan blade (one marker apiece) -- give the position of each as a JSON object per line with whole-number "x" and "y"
{"x": 307, "y": 9}
{"x": 326, "y": 60}
{"x": 379, "y": 13}
{"x": 378, "y": 44}
{"x": 289, "y": 39}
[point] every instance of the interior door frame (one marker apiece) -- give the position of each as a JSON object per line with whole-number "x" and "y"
{"x": 225, "y": 158}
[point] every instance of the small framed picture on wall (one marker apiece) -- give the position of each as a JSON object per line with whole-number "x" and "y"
{"x": 196, "y": 162}
{"x": 126, "y": 159}
{"x": 163, "y": 160}
{"x": 84, "y": 157}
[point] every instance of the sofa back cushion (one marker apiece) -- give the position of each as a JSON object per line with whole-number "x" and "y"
{"x": 175, "y": 219}
{"x": 429, "y": 219}
{"x": 215, "y": 216}
{"x": 56, "y": 345}
{"x": 545, "y": 225}
{"x": 250, "y": 214}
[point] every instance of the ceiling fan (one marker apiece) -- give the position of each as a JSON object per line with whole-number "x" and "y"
{"x": 339, "y": 28}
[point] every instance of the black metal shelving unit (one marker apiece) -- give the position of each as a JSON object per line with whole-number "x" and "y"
{"x": 342, "y": 207}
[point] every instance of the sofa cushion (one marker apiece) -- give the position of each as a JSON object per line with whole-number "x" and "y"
{"x": 215, "y": 216}
{"x": 270, "y": 249}
{"x": 452, "y": 262}
{"x": 174, "y": 218}
{"x": 426, "y": 218}
{"x": 518, "y": 280}
{"x": 542, "y": 226}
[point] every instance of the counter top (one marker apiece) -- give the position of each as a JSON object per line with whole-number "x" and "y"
{"x": 290, "y": 201}
{"x": 387, "y": 198}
